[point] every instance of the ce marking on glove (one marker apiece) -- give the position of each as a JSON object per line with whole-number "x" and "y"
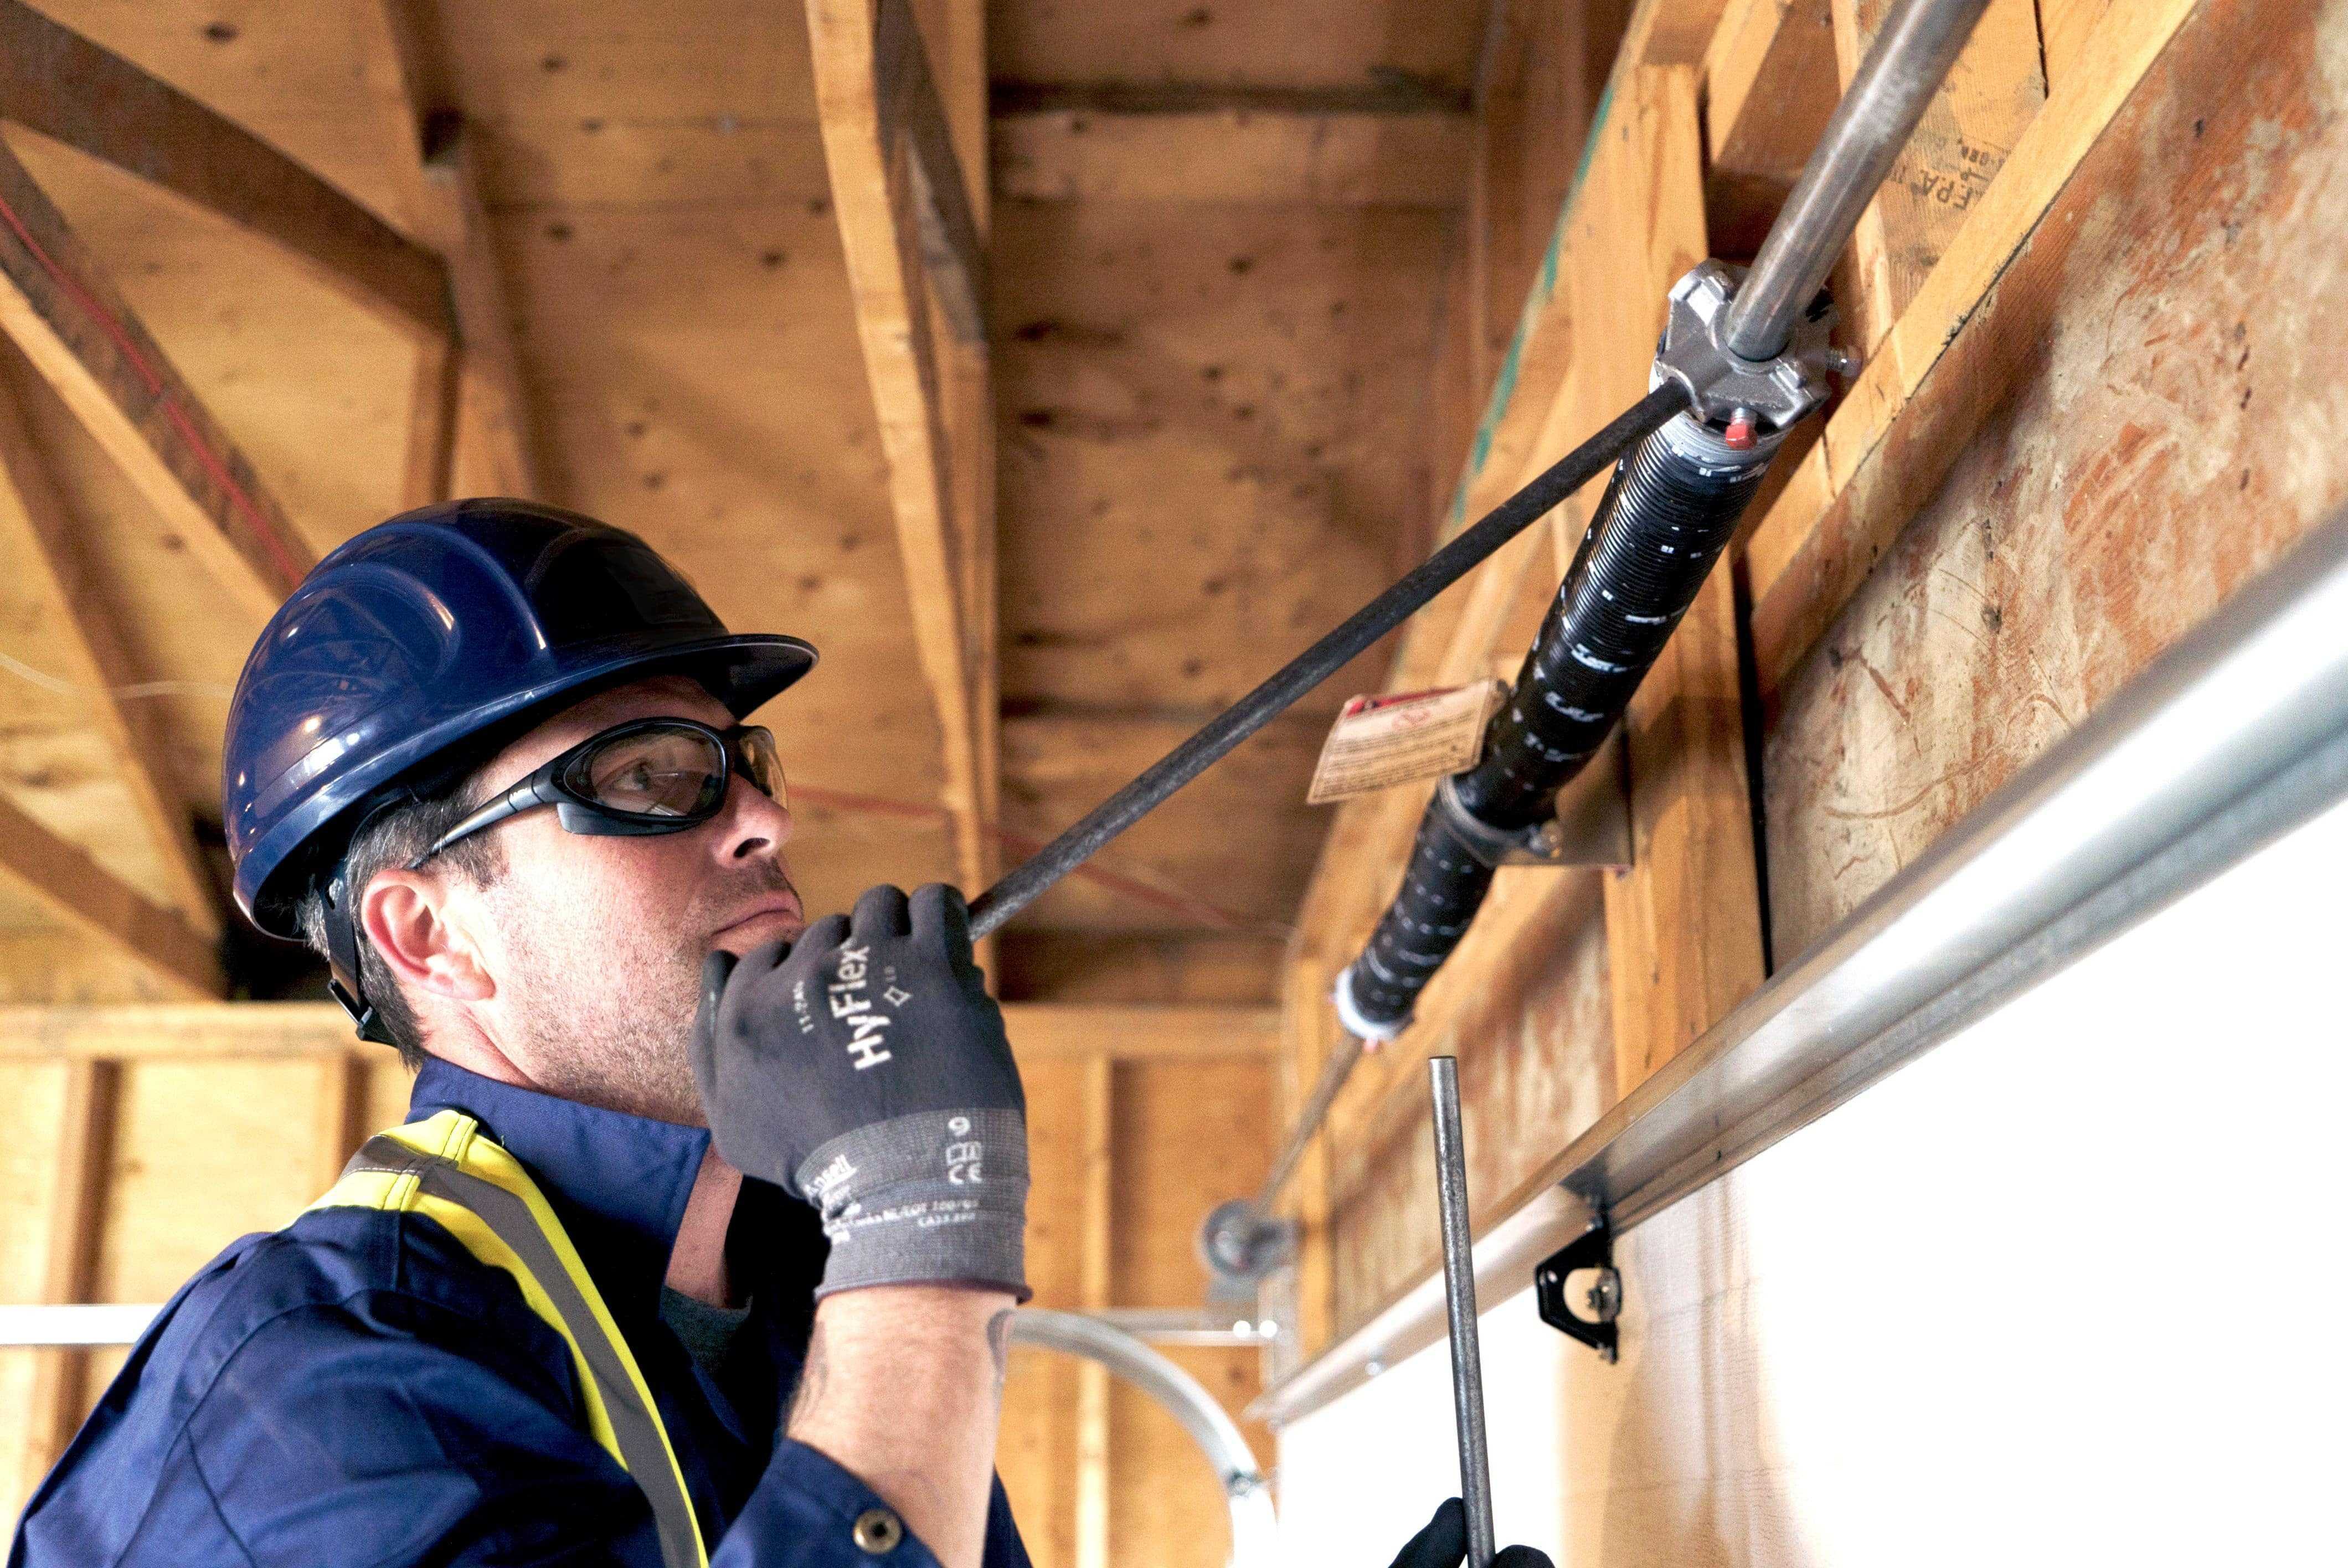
{"x": 966, "y": 1160}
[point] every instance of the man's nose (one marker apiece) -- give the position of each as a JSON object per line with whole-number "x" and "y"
{"x": 753, "y": 824}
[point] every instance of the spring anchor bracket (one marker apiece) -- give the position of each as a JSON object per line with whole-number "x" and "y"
{"x": 1591, "y": 826}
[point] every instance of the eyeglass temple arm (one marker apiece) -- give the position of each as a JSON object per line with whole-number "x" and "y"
{"x": 521, "y": 797}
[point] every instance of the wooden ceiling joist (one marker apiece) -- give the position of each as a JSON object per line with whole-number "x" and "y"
{"x": 85, "y": 342}
{"x": 68, "y": 886}
{"x": 56, "y": 82}
{"x": 908, "y": 96}
{"x": 1400, "y": 96}
{"x": 90, "y": 654}
{"x": 894, "y": 177}
{"x": 493, "y": 452}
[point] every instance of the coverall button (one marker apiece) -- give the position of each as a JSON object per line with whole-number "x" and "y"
{"x": 878, "y": 1530}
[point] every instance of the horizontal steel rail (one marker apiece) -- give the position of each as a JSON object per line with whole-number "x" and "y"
{"x": 2233, "y": 737}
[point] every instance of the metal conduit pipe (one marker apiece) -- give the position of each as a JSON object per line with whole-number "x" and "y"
{"x": 1255, "y": 1531}
{"x": 1096, "y": 1337}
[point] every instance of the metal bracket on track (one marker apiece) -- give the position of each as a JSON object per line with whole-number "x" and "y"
{"x": 1592, "y": 1249}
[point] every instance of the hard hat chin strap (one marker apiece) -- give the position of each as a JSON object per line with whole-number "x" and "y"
{"x": 343, "y": 956}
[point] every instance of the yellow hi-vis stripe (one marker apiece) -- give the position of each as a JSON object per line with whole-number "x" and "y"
{"x": 452, "y": 1138}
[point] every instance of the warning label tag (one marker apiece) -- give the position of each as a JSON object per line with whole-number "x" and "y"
{"x": 1380, "y": 742}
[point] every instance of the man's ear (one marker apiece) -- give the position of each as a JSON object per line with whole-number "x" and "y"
{"x": 410, "y": 918}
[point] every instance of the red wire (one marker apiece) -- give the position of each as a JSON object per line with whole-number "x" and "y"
{"x": 160, "y": 390}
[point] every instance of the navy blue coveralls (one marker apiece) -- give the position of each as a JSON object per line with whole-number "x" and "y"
{"x": 358, "y": 1389}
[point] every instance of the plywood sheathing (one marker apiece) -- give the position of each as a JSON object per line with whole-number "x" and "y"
{"x": 2167, "y": 435}
{"x": 1392, "y": 49}
{"x": 1211, "y": 417}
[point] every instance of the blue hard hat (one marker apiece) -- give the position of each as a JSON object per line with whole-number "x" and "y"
{"x": 426, "y": 642}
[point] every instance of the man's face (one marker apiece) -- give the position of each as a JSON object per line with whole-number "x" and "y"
{"x": 598, "y": 941}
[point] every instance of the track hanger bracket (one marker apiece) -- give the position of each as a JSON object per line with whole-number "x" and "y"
{"x": 1592, "y": 1249}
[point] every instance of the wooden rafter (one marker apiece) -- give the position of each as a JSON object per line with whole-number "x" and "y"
{"x": 881, "y": 118}
{"x": 85, "y": 342}
{"x": 67, "y": 886}
{"x": 489, "y": 449}
{"x": 494, "y": 452}
{"x": 90, "y": 653}
{"x": 56, "y": 82}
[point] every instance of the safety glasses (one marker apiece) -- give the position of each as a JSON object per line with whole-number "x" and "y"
{"x": 646, "y": 776}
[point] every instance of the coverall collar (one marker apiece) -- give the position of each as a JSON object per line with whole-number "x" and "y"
{"x": 618, "y": 1182}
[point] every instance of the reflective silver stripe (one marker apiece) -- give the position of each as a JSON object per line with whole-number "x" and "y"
{"x": 635, "y": 1426}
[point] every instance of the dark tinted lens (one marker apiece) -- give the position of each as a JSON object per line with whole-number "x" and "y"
{"x": 761, "y": 763}
{"x": 654, "y": 772}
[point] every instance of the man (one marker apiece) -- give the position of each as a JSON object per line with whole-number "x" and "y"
{"x": 702, "y": 1242}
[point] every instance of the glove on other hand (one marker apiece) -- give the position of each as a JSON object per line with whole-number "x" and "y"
{"x": 863, "y": 1069}
{"x": 1444, "y": 1544}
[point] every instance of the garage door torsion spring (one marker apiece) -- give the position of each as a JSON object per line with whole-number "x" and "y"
{"x": 1665, "y": 517}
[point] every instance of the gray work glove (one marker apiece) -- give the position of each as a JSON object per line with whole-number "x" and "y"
{"x": 1444, "y": 1544}
{"x": 863, "y": 1069}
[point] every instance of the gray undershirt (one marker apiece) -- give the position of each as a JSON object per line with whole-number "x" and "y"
{"x": 707, "y": 1332}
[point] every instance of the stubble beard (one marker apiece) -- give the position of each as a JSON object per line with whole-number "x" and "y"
{"x": 609, "y": 1024}
{"x": 607, "y": 1008}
